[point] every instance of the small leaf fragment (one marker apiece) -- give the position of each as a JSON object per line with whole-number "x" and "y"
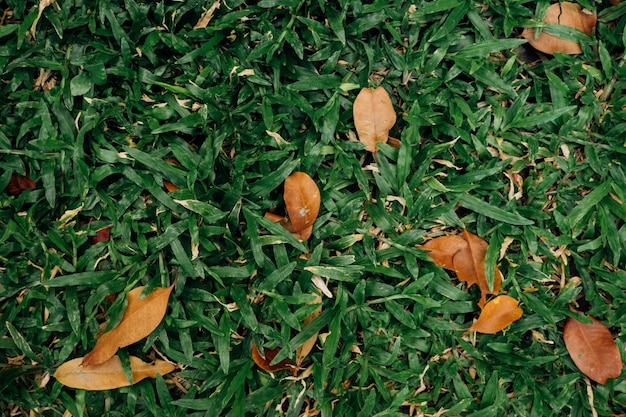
{"x": 593, "y": 349}
{"x": 497, "y": 314}
{"x": 19, "y": 183}
{"x": 566, "y": 14}
{"x": 109, "y": 374}
{"x": 303, "y": 351}
{"x": 374, "y": 116}
{"x": 264, "y": 362}
{"x": 141, "y": 317}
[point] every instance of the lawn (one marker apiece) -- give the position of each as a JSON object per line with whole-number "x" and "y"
{"x": 142, "y": 144}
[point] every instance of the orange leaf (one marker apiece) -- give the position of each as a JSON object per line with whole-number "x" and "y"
{"x": 303, "y": 351}
{"x": 109, "y": 374}
{"x": 141, "y": 317}
{"x": 302, "y": 198}
{"x": 264, "y": 362}
{"x": 566, "y": 14}
{"x": 465, "y": 255}
{"x": 497, "y": 314}
{"x": 18, "y": 183}
{"x": 374, "y": 116}
{"x": 592, "y": 349}
{"x": 443, "y": 248}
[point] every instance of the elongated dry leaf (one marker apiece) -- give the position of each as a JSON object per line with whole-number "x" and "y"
{"x": 109, "y": 374}
{"x": 141, "y": 317}
{"x": 374, "y": 116}
{"x": 566, "y": 14}
{"x": 303, "y": 351}
{"x": 264, "y": 362}
{"x": 592, "y": 349}
{"x": 206, "y": 17}
{"x": 497, "y": 314}
{"x": 465, "y": 255}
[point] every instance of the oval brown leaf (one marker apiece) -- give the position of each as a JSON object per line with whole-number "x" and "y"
{"x": 374, "y": 116}
{"x": 443, "y": 248}
{"x": 566, "y": 14}
{"x": 141, "y": 317}
{"x": 497, "y": 314}
{"x": 592, "y": 349}
{"x": 302, "y": 200}
{"x": 109, "y": 374}
{"x": 264, "y": 362}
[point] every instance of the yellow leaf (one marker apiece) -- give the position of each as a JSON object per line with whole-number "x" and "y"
{"x": 109, "y": 374}
{"x": 497, "y": 314}
{"x": 374, "y": 116}
{"x": 141, "y": 317}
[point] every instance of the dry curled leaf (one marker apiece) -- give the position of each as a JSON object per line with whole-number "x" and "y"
{"x": 264, "y": 362}
{"x": 497, "y": 314}
{"x": 566, "y": 14}
{"x": 18, "y": 183}
{"x": 374, "y": 116}
{"x": 592, "y": 349}
{"x": 303, "y": 351}
{"x": 302, "y": 200}
{"x": 141, "y": 317}
{"x": 109, "y": 374}
{"x": 465, "y": 255}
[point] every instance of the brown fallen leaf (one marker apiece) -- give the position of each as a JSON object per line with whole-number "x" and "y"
{"x": 19, "y": 183}
{"x": 566, "y": 14}
{"x": 465, "y": 255}
{"x": 264, "y": 362}
{"x": 497, "y": 314}
{"x": 593, "y": 350}
{"x": 302, "y": 200}
{"x": 102, "y": 235}
{"x": 141, "y": 317}
{"x": 206, "y": 17}
{"x": 170, "y": 186}
{"x": 303, "y": 351}
{"x": 374, "y": 116}
{"x": 109, "y": 374}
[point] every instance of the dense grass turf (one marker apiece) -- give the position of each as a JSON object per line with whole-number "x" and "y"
{"x": 526, "y": 151}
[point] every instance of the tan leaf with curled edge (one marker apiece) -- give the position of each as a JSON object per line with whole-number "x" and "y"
{"x": 593, "y": 350}
{"x": 108, "y": 374}
{"x": 302, "y": 200}
{"x": 566, "y": 14}
{"x": 141, "y": 317}
{"x": 497, "y": 314}
{"x": 303, "y": 351}
{"x": 374, "y": 116}
{"x": 465, "y": 255}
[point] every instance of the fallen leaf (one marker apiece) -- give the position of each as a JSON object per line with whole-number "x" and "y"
{"x": 302, "y": 200}
{"x": 303, "y": 351}
{"x": 593, "y": 350}
{"x": 374, "y": 116}
{"x": 497, "y": 314}
{"x": 141, "y": 317}
{"x": 102, "y": 235}
{"x": 566, "y": 14}
{"x": 465, "y": 255}
{"x": 264, "y": 362}
{"x": 42, "y": 5}
{"x": 19, "y": 183}
{"x": 170, "y": 186}
{"x": 206, "y": 17}
{"x": 109, "y": 374}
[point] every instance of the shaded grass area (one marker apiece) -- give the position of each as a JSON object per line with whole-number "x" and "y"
{"x": 525, "y": 151}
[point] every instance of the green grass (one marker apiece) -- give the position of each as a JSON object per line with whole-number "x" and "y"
{"x": 521, "y": 151}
